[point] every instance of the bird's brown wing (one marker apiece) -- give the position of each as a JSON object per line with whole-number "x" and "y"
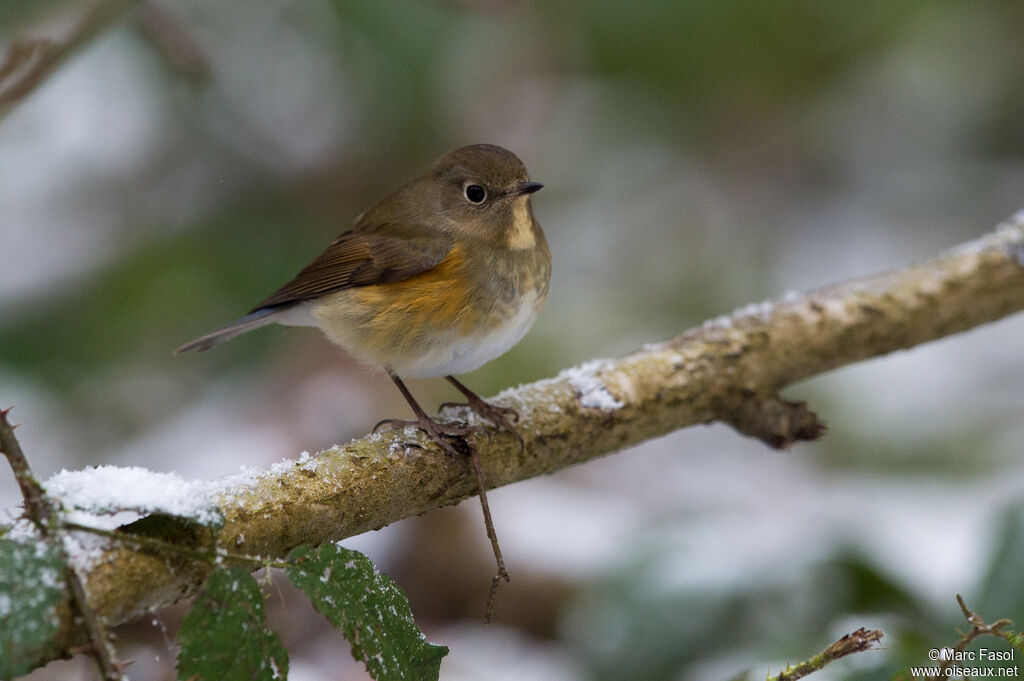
{"x": 362, "y": 258}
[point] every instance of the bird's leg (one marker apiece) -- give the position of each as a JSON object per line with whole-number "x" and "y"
{"x": 500, "y": 416}
{"x": 437, "y": 431}
{"x": 451, "y": 437}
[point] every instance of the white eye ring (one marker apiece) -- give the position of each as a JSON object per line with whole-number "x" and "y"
{"x": 474, "y": 193}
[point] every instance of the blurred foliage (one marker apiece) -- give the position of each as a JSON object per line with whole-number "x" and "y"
{"x": 701, "y": 63}
{"x": 726, "y": 60}
{"x": 1001, "y": 593}
{"x": 626, "y": 625}
{"x": 14, "y": 12}
{"x": 629, "y": 625}
{"x": 698, "y": 155}
{"x": 207, "y": 276}
{"x": 395, "y": 51}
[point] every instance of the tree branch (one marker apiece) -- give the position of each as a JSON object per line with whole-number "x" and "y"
{"x": 730, "y": 369}
{"x": 30, "y": 59}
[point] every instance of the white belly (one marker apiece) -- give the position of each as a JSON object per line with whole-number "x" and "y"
{"x": 460, "y": 354}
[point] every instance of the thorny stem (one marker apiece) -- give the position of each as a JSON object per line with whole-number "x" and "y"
{"x": 859, "y": 641}
{"x": 37, "y": 506}
{"x": 978, "y": 628}
{"x": 42, "y": 514}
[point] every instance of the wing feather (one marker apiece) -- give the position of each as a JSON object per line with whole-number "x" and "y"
{"x": 362, "y": 258}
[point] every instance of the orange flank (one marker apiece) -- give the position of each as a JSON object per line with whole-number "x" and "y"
{"x": 432, "y": 298}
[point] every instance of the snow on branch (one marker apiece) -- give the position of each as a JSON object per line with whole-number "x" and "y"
{"x": 729, "y": 369}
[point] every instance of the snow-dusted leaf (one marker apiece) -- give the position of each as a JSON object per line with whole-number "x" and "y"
{"x": 32, "y": 589}
{"x": 370, "y": 610}
{"x": 224, "y": 638}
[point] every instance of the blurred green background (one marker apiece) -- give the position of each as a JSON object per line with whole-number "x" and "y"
{"x": 696, "y": 155}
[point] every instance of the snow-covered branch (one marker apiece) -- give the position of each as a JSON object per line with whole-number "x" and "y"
{"x": 729, "y": 369}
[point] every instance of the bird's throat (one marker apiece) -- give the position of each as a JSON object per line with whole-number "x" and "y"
{"x": 522, "y": 235}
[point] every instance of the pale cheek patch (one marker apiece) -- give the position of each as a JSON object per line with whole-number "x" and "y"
{"x": 522, "y": 227}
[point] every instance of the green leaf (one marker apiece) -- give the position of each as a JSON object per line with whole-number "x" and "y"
{"x": 32, "y": 590}
{"x": 370, "y": 610}
{"x": 1002, "y": 591}
{"x": 224, "y": 638}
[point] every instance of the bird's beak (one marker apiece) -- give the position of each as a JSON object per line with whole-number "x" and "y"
{"x": 526, "y": 188}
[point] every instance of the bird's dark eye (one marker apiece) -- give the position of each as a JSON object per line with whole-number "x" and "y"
{"x": 475, "y": 193}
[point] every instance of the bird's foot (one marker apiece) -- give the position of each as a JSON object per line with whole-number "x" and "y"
{"x": 444, "y": 434}
{"x": 503, "y": 417}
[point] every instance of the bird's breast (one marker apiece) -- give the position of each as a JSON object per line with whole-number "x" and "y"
{"x": 469, "y": 309}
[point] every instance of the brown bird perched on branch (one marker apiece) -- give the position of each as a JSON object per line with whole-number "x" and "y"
{"x": 437, "y": 279}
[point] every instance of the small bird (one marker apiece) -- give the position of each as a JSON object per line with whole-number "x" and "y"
{"x": 439, "y": 278}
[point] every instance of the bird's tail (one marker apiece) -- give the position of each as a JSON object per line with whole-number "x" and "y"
{"x": 253, "y": 320}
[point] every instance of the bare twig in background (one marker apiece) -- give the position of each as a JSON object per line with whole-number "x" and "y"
{"x": 857, "y": 642}
{"x": 978, "y": 628}
{"x": 173, "y": 40}
{"x": 40, "y": 511}
{"x": 30, "y": 59}
{"x": 729, "y": 369}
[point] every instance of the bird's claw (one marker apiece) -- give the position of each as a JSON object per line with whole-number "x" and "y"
{"x": 441, "y": 433}
{"x": 503, "y": 417}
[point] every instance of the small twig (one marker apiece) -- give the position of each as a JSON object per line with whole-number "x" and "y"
{"x": 979, "y": 624}
{"x": 154, "y": 544}
{"x": 29, "y": 61}
{"x": 41, "y": 512}
{"x": 774, "y": 421}
{"x": 859, "y": 641}
{"x": 173, "y": 40}
{"x": 474, "y": 459}
{"x": 978, "y": 628}
{"x": 19, "y": 52}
